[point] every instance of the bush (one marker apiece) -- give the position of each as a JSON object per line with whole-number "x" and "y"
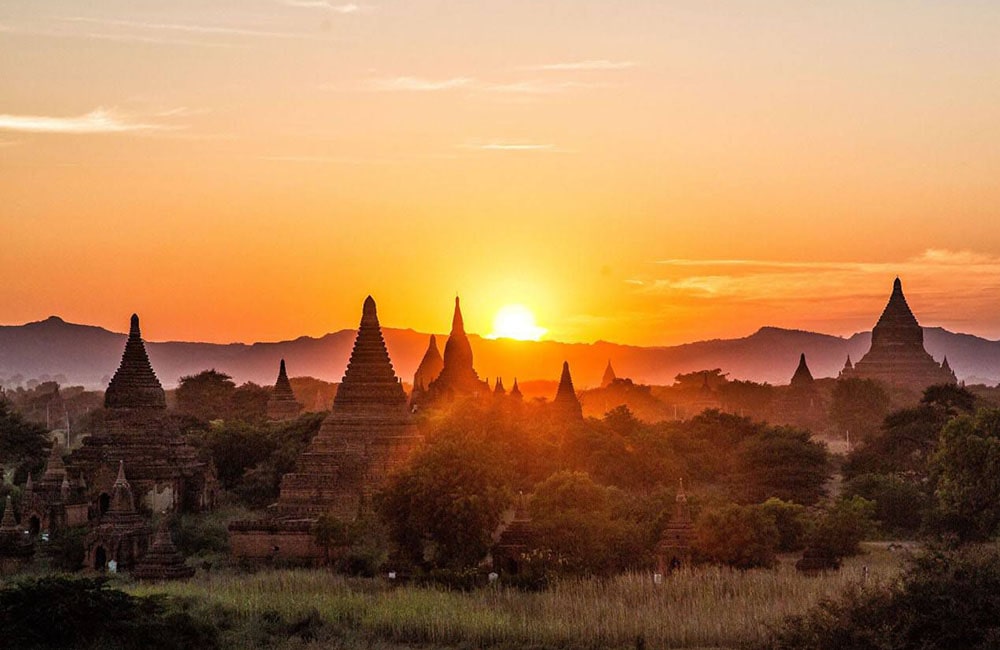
{"x": 900, "y": 506}
{"x": 65, "y": 612}
{"x": 740, "y": 536}
{"x": 841, "y": 529}
{"x": 792, "y": 522}
{"x": 943, "y": 601}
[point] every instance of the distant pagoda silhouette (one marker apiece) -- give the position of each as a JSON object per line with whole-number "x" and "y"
{"x": 566, "y": 403}
{"x": 281, "y": 404}
{"x": 134, "y": 385}
{"x": 457, "y": 378}
{"x": 897, "y": 355}
{"x": 367, "y": 435}
{"x": 429, "y": 369}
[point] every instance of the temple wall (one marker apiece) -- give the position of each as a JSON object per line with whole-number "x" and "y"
{"x": 276, "y": 545}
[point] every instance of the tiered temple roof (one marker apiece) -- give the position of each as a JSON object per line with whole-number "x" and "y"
{"x": 897, "y": 355}
{"x": 281, "y": 404}
{"x": 367, "y": 435}
{"x": 135, "y": 427}
{"x": 566, "y": 402}
{"x": 515, "y": 391}
{"x": 458, "y": 378}
{"x": 134, "y": 385}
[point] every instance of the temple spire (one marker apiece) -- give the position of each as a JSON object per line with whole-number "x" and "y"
{"x": 609, "y": 376}
{"x": 802, "y": 377}
{"x": 566, "y": 400}
{"x": 370, "y": 381}
{"x": 499, "y": 389}
{"x": 135, "y": 385}
{"x": 281, "y": 404}
{"x": 430, "y": 366}
{"x": 457, "y": 323}
{"x": 457, "y": 378}
{"x": 8, "y": 524}
{"x": 515, "y": 391}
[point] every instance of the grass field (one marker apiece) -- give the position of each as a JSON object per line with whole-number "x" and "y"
{"x": 701, "y": 608}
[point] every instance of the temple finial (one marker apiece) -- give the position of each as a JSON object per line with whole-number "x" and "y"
{"x": 133, "y": 330}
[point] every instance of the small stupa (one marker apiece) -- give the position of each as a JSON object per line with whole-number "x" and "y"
{"x": 281, "y": 404}
{"x": 162, "y": 561}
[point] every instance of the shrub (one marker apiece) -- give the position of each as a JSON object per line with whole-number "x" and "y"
{"x": 740, "y": 536}
{"x": 65, "y": 612}
{"x": 943, "y": 601}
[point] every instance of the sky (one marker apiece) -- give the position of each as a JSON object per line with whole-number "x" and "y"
{"x": 648, "y": 171}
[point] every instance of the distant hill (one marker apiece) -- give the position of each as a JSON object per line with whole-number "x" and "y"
{"x": 88, "y": 355}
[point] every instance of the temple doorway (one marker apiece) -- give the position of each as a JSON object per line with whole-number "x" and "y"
{"x": 100, "y": 559}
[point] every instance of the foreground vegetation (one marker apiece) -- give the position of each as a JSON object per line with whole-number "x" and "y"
{"x": 698, "y": 608}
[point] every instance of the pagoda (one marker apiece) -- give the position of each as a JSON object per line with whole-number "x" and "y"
{"x": 801, "y": 404}
{"x": 162, "y": 561}
{"x": 430, "y": 366}
{"x": 897, "y": 356}
{"x": 458, "y": 378}
{"x": 515, "y": 391}
{"x": 134, "y": 385}
{"x": 16, "y": 546}
{"x": 499, "y": 390}
{"x": 54, "y": 503}
{"x": 674, "y": 548}
{"x": 136, "y": 427}
{"x": 367, "y": 435}
{"x": 566, "y": 403}
{"x": 281, "y": 404}
{"x": 609, "y": 376}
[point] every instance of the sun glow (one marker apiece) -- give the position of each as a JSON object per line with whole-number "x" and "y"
{"x": 516, "y": 322}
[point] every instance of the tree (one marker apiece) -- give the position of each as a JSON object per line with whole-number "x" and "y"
{"x": 442, "y": 510}
{"x": 840, "y": 530}
{"x": 23, "y": 445}
{"x": 575, "y": 523}
{"x": 903, "y": 446}
{"x": 740, "y": 536}
{"x": 207, "y": 395}
{"x": 249, "y": 403}
{"x": 967, "y": 467}
{"x": 900, "y": 504}
{"x": 783, "y": 463}
{"x": 858, "y": 406}
{"x": 792, "y": 522}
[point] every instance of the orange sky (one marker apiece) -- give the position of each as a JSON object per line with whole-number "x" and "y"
{"x": 647, "y": 172}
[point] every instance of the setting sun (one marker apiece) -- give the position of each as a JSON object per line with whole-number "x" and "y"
{"x": 516, "y": 322}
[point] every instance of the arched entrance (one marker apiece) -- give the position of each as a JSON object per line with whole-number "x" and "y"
{"x": 100, "y": 559}
{"x": 34, "y": 525}
{"x": 104, "y": 502}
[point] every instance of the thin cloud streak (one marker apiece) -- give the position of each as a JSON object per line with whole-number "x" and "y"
{"x": 528, "y": 87}
{"x": 511, "y": 146}
{"x": 211, "y": 30}
{"x": 99, "y": 120}
{"x": 588, "y": 65}
{"x": 350, "y": 8}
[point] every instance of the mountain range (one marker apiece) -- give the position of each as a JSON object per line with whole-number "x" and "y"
{"x": 87, "y": 355}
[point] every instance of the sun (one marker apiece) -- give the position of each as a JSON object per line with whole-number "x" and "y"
{"x": 516, "y": 322}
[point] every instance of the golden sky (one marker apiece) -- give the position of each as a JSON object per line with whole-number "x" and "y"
{"x": 650, "y": 172}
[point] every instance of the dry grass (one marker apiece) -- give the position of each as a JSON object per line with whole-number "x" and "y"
{"x": 701, "y": 608}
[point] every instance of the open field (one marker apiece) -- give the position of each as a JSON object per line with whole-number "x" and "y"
{"x": 701, "y": 608}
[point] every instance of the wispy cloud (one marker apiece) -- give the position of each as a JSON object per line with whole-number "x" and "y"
{"x": 583, "y": 66}
{"x": 116, "y": 37}
{"x": 510, "y": 146}
{"x": 99, "y": 120}
{"x": 188, "y": 28}
{"x": 349, "y": 8}
{"x": 527, "y": 87}
{"x": 418, "y": 84}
